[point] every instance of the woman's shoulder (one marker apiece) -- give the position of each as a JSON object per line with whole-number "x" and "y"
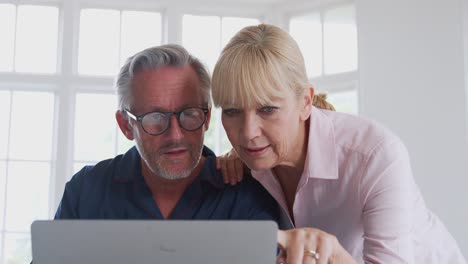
{"x": 359, "y": 133}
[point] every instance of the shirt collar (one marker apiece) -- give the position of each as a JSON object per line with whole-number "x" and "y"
{"x": 321, "y": 161}
{"x": 128, "y": 166}
{"x": 209, "y": 173}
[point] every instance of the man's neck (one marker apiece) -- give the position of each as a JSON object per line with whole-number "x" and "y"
{"x": 167, "y": 193}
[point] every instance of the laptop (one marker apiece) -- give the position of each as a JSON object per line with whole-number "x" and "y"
{"x": 153, "y": 241}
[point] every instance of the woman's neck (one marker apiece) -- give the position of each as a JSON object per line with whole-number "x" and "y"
{"x": 293, "y": 165}
{"x": 289, "y": 173}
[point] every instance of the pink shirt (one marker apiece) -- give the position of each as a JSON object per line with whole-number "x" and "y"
{"x": 357, "y": 184}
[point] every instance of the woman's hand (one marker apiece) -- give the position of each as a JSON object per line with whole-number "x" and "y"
{"x": 231, "y": 167}
{"x": 310, "y": 245}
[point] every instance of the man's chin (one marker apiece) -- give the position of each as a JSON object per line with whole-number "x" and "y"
{"x": 174, "y": 168}
{"x": 178, "y": 175}
{"x": 175, "y": 171}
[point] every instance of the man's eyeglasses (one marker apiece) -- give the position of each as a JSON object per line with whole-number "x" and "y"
{"x": 156, "y": 123}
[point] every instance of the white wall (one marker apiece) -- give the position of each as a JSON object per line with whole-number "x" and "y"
{"x": 411, "y": 72}
{"x": 465, "y": 49}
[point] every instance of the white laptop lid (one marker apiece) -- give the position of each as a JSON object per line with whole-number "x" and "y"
{"x": 144, "y": 242}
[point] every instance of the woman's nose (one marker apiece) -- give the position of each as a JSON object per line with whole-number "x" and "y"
{"x": 251, "y": 127}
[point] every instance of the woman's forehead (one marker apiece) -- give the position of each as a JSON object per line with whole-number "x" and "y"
{"x": 265, "y": 101}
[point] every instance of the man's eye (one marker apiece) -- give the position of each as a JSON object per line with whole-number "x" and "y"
{"x": 231, "y": 111}
{"x": 157, "y": 116}
{"x": 268, "y": 109}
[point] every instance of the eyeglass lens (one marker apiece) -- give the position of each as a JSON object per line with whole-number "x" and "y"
{"x": 158, "y": 122}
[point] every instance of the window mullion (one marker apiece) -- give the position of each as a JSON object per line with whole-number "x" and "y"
{"x": 5, "y": 198}
{"x": 64, "y": 108}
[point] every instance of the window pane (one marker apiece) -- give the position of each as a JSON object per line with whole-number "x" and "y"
{"x": 206, "y": 48}
{"x": 2, "y": 193}
{"x": 307, "y": 31}
{"x": 216, "y": 138}
{"x": 95, "y": 126}
{"x": 27, "y": 194}
{"x": 211, "y": 134}
{"x": 345, "y": 101}
{"x": 7, "y": 31}
{"x": 5, "y": 121}
{"x": 17, "y": 249}
{"x": 231, "y": 25}
{"x": 340, "y": 38}
{"x": 31, "y": 126}
{"x": 36, "y": 39}
{"x": 140, "y": 30}
{"x": 99, "y": 42}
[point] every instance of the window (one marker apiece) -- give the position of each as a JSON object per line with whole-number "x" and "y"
{"x": 307, "y": 31}
{"x": 25, "y": 168}
{"x": 328, "y": 40}
{"x": 58, "y": 60}
{"x": 7, "y": 31}
{"x": 218, "y": 31}
{"x": 39, "y": 148}
{"x": 339, "y": 40}
{"x": 345, "y": 101}
{"x": 108, "y": 37}
{"x": 104, "y": 140}
{"x": 29, "y": 38}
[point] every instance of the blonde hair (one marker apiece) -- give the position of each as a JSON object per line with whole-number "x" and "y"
{"x": 257, "y": 64}
{"x": 320, "y": 101}
{"x": 255, "y": 67}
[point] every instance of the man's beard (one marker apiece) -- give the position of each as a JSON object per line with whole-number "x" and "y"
{"x": 165, "y": 171}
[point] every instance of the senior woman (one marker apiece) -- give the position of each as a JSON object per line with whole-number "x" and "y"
{"x": 344, "y": 183}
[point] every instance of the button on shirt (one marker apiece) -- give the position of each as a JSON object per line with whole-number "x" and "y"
{"x": 115, "y": 189}
{"x": 357, "y": 184}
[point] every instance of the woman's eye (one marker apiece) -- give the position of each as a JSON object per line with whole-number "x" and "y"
{"x": 231, "y": 111}
{"x": 268, "y": 109}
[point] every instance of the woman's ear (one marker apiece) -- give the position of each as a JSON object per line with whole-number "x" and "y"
{"x": 307, "y": 100}
{"x": 124, "y": 124}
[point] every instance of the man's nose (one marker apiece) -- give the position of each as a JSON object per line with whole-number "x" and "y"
{"x": 175, "y": 131}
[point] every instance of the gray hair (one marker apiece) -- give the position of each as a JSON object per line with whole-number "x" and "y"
{"x": 155, "y": 58}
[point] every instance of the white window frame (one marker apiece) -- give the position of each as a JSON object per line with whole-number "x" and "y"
{"x": 329, "y": 83}
{"x": 220, "y": 13}
{"x": 66, "y": 83}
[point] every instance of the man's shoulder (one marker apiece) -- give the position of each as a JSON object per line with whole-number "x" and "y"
{"x": 116, "y": 168}
{"x": 100, "y": 169}
{"x": 212, "y": 174}
{"x": 245, "y": 200}
{"x": 248, "y": 188}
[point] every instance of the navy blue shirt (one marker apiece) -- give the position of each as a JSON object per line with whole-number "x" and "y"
{"x": 116, "y": 189}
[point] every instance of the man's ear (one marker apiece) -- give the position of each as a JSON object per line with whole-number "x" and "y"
{"x": 208, "y": 118}
{"x": 307, "y": 101}
{"x": 124, "y": 124}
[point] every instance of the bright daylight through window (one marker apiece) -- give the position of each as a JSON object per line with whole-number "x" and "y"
{"x": 58, "y": 61}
